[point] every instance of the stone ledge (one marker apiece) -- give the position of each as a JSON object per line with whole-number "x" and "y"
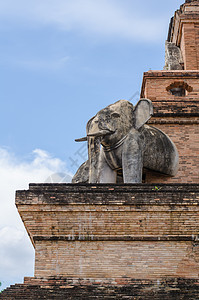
{"x": 109, "y": 186}
{"x": 170, "y": 119}
{"x": 176, "y": 115}
{"x": 62, "y": 280}
{"x": 110, "y": 194}
{"x": 172, "y": 74}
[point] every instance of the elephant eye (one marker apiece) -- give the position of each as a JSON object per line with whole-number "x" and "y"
{"x": 115, "y": 115}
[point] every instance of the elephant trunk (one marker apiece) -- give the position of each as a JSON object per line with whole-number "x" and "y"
{"x": 93, "y": 157}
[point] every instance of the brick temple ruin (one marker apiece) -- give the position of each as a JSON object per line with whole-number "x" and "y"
{"x": 127, "y": 241}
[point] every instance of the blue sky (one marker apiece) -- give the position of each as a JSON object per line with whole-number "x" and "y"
{"x": 62, "y": 61}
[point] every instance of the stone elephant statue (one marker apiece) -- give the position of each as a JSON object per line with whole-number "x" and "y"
{"x": 119, "y": 141}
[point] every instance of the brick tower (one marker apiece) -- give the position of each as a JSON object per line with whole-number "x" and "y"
{"x": 127, "y": 241}
{"x": 175, "y": 93}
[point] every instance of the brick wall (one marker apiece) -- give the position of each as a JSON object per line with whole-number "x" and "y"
{"x": 117, "y": 259}
{"x": 185, "y": 137}
{"x": 189, "y": 45}
{"x": 185, "y": 33}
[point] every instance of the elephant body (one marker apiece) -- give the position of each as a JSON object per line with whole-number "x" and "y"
{"x": 120, "y": 142}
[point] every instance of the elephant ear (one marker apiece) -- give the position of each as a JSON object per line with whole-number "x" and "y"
{"x": 143, "y": 112}
{"x": 88, "y": 124}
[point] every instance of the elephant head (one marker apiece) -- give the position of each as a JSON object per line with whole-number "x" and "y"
{"x": 110, "y": 125}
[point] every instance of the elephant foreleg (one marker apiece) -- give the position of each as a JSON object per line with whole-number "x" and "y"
{"x": 132, "y": 161}
{"x": 105, "y": 173}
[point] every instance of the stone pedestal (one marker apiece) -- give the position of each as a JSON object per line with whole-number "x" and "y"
{"x": 113, "y": 231}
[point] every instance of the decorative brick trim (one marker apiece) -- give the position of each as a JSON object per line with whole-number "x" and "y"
{"x": 117, "y": 238}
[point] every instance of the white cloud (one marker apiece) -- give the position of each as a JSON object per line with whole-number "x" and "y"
{"x": 37, "y": 64}
{"x": 46, "y": 65}
{"x": 16, "y": 251}
{"x": 15, "y": 175}
{"x": 102, "y": 17}
{"x": 17, "y": 256}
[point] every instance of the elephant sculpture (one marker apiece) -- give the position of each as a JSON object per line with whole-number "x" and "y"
{"x": 119, "y": 141}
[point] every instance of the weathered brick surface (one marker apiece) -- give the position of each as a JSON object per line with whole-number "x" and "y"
{"x": 185, "y": 136}
{"x": 104, "y": 259}
{"x": 65, "y": 288}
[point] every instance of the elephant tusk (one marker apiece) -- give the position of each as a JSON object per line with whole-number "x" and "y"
{"x": 84, "y": 139}
{"x": 101, "y": 133}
